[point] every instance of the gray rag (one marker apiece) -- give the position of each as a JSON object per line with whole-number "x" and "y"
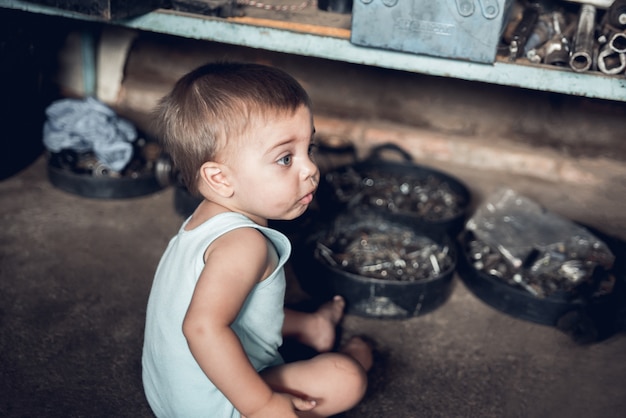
{"x": 89, "y": 125}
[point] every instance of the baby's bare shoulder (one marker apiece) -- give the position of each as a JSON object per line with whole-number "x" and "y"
{"x": 244, "y": 244}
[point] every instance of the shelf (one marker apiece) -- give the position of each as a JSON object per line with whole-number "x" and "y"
{"x": 334, "y": 43}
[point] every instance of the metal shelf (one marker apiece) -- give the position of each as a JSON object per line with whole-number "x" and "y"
{"x": 335, "y": 45}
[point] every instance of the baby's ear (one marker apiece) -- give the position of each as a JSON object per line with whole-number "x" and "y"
{"x": 212, "y": 175}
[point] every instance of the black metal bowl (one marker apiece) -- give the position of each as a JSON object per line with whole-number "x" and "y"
{"x": 423, "y": 197}
{"x": 375, "y": 297}
{"x": 586, "y": 315}
{"x": 102, "y": 187}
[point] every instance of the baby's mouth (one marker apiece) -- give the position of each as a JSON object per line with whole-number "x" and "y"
{"x": 307, "y": 198}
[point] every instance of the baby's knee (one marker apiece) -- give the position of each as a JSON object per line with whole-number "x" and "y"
{"x": 352, "y": 379}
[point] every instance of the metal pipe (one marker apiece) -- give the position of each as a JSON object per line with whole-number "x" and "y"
{"x": 582, "y": 53}
{"x": 618, "y": 42}
{"x": 522, "y": 32}
{"x": 611, "y": 62}
{"x": 556, "y": 52}
{"x": 88, "y": 52}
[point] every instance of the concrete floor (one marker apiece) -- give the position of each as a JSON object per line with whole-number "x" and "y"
{"x": 74, "y": 279}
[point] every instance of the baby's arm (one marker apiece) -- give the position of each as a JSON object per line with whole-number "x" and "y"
{"x": 220, "y": 293}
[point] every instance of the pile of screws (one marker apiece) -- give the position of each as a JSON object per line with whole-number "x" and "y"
{"x": 515, "y": 239}
{"x": 559, "y": 269}
{"x": 383, "y": 250}
{"x": 430, "y": 198}
{"x": 142, "y": 163}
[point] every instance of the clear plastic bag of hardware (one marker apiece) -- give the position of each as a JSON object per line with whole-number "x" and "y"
{"x": 541, "y": 242}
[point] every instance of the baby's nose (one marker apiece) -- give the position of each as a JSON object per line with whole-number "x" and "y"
{"x": 309, "y": 170}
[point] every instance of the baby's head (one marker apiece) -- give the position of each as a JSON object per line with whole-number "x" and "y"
{"x": 212, "y": 107}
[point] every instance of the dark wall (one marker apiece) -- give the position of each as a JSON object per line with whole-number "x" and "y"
{"x": 28, "y": 49}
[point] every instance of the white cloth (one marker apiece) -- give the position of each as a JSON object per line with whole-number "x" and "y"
{"x": 89, "y": 125}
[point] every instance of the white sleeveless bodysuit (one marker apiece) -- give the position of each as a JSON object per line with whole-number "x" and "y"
{"x": 174, "y": 384}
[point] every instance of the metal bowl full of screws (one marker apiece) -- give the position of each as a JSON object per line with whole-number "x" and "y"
{"x": 535, "y": 265}
{"x": 422, "y": 196}
{"x": 83, "y": 174}
{"x": 383, "y": 268}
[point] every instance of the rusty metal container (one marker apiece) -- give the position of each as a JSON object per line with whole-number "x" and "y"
{"x": 458, "y": 29}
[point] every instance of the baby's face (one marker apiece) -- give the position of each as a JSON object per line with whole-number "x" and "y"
{"x": 273, "y": 174}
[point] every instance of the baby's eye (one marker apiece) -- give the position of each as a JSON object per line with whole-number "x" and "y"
{"x": 312, "y": 149}
{"x": 286, "y": 160}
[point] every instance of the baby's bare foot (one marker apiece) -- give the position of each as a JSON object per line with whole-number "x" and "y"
{"x": 359, "y": 349}
{"x": 320, "y": 329}
{"x": 332, "y": 311}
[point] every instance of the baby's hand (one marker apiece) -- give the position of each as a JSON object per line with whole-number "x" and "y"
{"x": 283, "y": 405}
